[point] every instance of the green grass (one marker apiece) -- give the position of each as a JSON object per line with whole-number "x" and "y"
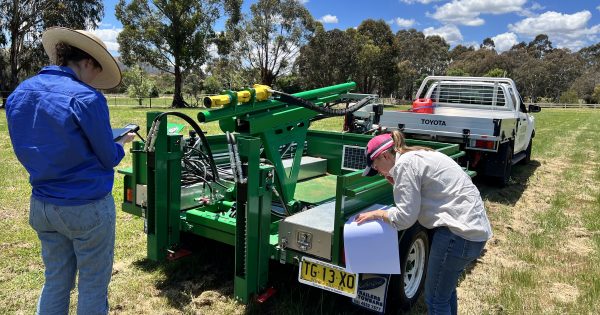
{"x": 554, "y": 248}
{"x": 570, "y": 198}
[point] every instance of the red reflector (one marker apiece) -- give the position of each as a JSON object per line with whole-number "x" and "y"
{"x": 484, "y": 144}
{"x": 129, "y": 195}
{"x": 265, "y": 296}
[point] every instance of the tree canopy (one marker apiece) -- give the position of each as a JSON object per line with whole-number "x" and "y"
{"x": 173, "y": 36}
{"x": 21, "y": 27}
{"x": 272, "y": 36}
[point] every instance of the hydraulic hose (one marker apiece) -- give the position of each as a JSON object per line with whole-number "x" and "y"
{"x": 291, "y": 99}
{"x": 189, "y": 120}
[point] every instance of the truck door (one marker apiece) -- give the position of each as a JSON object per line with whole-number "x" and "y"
{"x": 522, "y": 122}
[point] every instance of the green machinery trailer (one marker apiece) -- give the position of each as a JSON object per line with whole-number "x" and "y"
{"x": 268, "y": 186}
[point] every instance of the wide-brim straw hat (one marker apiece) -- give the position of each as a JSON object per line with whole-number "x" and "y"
{"x": 110, "y": 76}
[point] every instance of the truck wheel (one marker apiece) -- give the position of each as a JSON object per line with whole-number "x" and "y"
{"x": 507, "y": 166}
{"x": 406, "y": 288}
{"x": 527, "y": 157}
{"x": 506, "y": 156}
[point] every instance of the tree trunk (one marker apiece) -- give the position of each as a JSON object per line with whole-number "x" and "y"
{"x": 267, "y": 77}
{"x": 4, "y": 94}
{"x": 14, "y": 51}
{"x": 178, "y": 101}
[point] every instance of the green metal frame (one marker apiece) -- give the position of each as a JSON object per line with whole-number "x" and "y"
{"x": 253, "y": 231}
{"x": 277, "y": 124}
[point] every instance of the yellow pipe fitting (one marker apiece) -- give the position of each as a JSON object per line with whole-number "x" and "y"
{"x": 262, "y": 93}
{"x": 217, "y": 100}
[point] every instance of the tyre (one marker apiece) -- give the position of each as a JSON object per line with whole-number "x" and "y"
{"x": 505, "y": 167}
{"x": 406, "y": 288}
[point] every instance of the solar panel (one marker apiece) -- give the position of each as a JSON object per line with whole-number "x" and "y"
{"x": 353, "y": 158}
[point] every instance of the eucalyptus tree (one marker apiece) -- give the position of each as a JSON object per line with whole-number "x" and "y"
{"x": 174, "y": 36}
{"x": 377, "y": 57}
{"x": 488, "y": 43}
{"x": 540, "y": 46}
{"x": 588, "y": 82}
{"x": 139, "y": 85}
{"x": 563, "y": 69}
{"x": 330, "y": 57}
{"x": 272, "y": 36}
{"x": 21, "y": 27}
{"x": 424, "y": 55}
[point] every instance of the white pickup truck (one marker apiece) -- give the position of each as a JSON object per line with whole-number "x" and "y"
{"x": 487, "y": 116}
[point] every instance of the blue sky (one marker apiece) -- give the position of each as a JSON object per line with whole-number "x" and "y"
{"x": 570, "y": 24}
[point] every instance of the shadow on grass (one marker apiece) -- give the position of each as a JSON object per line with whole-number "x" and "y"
{"x": 511, "y": 193}
{"x": 208, "y": 268}
{"x": 211, "y": 268}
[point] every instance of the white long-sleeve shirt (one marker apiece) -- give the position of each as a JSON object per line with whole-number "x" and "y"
{"x": 431, "y": 188}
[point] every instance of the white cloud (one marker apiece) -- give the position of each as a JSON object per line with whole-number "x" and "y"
{"x": 505, "y": 41}
{"x": 564, "y": 30}
{"x": 467, "y": 12}
{"x": 109, "y": 37}
{"x": 529, "y": 12}
{"x": 302, "y": 1}
{"x": 331, "y": 19}
{"x": 598, "y": 7}
{"x": 419, "y": 1}
{"x": 104, "y": 25}
{"x": 537, "y": 6}
{"x": 404, "y": 22}
{"x": 450, "y": 33}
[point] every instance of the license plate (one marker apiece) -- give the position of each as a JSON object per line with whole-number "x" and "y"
{"x": 327, "y": 277}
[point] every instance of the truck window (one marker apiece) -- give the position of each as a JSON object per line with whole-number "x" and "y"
{"x": 518, "y": 102}
{"x": 468, "y": 94}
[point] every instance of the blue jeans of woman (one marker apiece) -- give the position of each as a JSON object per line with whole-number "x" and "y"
{"x": 75, "y": 239}
{"x": 448, "y": 257}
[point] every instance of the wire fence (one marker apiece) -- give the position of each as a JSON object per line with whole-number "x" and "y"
{"x": 162, "y": 101}
{"x": 567, "y": 106}
{"x": 166, "y": 101}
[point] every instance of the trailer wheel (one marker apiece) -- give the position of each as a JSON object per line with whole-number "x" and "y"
{"x": 406, "y": 288}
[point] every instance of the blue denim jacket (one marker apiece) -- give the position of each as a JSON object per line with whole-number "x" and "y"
{"x": 60, "y": 131}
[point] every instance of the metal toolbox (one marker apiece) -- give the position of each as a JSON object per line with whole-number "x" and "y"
{"x": 309, "y": 231}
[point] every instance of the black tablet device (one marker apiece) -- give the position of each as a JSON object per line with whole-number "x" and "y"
{"x": 118, "y": 133}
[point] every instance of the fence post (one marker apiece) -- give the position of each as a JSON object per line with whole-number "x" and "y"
{"x": 151, "y": 102}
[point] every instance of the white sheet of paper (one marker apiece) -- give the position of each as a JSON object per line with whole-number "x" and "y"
{"x": 371, "y": 247}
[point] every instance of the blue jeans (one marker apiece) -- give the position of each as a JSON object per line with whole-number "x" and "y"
{"x": 448, "y": 257}
{"x": 75, "y": 239}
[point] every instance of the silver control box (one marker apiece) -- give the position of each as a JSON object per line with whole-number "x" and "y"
{"x": 309, "y": 231}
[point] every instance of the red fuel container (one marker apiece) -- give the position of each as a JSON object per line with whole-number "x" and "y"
{"x": 423, "y": 106}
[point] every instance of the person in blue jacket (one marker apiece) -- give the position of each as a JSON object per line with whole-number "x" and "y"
{"x": 60, "y": 130}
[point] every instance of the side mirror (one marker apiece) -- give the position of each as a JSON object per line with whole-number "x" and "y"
{"x": 534, "y": 108}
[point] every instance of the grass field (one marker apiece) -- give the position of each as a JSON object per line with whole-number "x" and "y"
{"x": 544, "y": 257}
